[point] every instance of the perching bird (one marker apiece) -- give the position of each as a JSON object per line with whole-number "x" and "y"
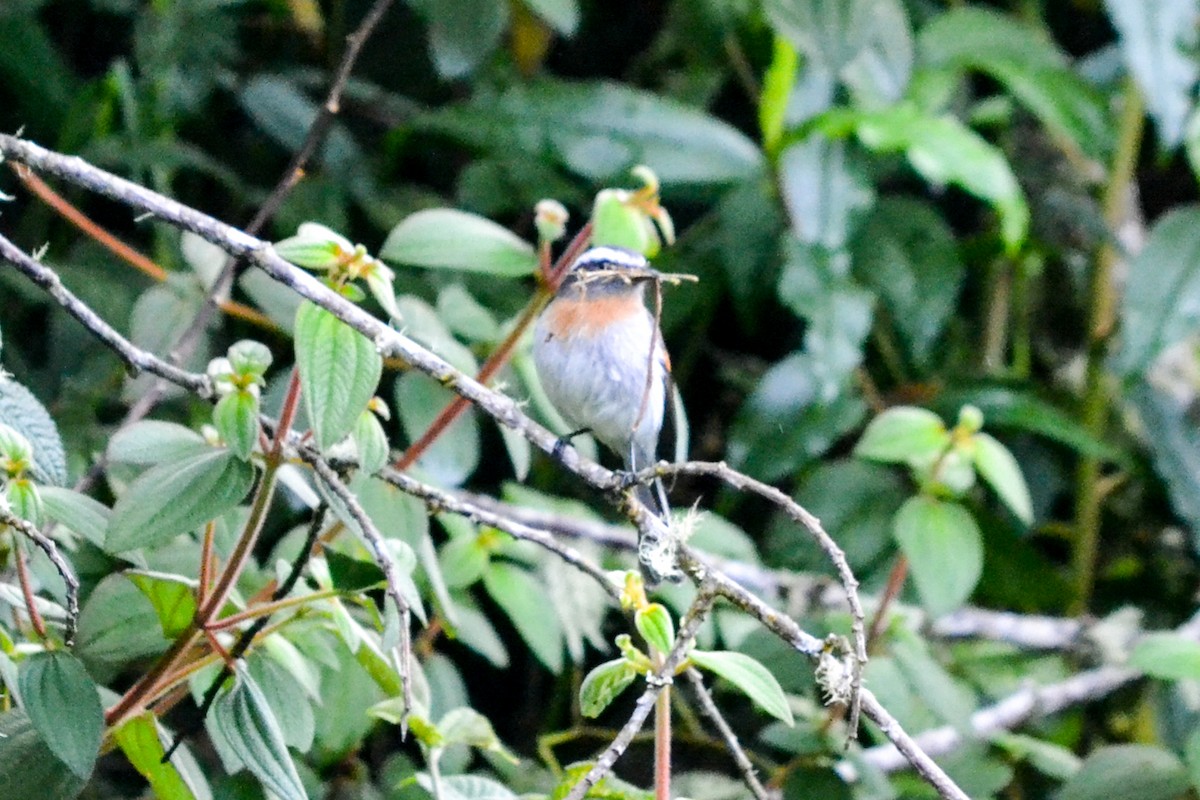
{"x": 592, "y": 347}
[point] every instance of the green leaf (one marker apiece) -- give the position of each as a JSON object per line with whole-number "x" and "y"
{"x": 462, "y": 34}
{"x": 1158, "y": 40}
{"x": 906, "y": 253}
{"x": 1141, "y": 771}
{"x": 62, "y": 703}
{"x": 904, "y": 434}
{"x": 943, "y": 151}
{"x": 1168, "y": 656}
{"x": 1174, "y": 444}
{"x": 371, "y": 442}
{"x": 470, "y": 787}
{"x": 139, "y": 740}
{"x": 1047, "y": 758}
{"x": 242, "y": 718}
{"x": 85, "y": 516}
{"x": 1161, "y": 302}
{"x": 816, "y": 284}
{"x": 117, "y": 625}
{"x": 654, "y": 624}
{"x": 173, "y": 598}
{"x": 1005, "y": 407}
{"x": 24, "y": 413}
{"x": 286, "y": 114}
{"x": 453, "y": 457}
{"x": 236, "y": 419}
{"x": 788, "y": 420}
{"x": 997, "y": 466}
{"x": 1028, "y": 64}
{"x": 31, "y": 771}
{"x": 445, "y": 238}
{"x": 601, "y": 130}
{"x": 352, "y": 574}
{"x": 525, "y": 602}
{"x": 603, "y": 685}
{"x": 944, "y": 549}
{"x": 339, "y": 370}
{"x": 467, "y": 726}
{"x": 562, "y": 15}
{"x": 463, "y": 560}
{"x": 176, "y": 497}
{"x": 151, "y": 442}
{"x": 285, "y": 697}
{"x": 824, "y": 188}
{"x": 750, "y": 677}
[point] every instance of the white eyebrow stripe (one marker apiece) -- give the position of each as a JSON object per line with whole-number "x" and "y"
{"x": 603, "y": 254}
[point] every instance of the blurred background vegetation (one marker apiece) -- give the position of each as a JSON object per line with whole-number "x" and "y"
{"x": 888, "y": 202}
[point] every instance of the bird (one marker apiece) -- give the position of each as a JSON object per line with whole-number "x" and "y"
{"x": 592, "y": 347}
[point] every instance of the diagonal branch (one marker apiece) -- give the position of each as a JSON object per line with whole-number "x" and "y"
{"x": 731, "y": 741}
{"x": 47, "y": 546}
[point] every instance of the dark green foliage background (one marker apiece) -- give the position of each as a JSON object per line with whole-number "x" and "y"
{"x": 850, "y": 258}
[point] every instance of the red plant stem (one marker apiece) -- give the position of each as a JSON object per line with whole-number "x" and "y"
{"x": 662, "y": 745}
{"x": 551, "y": 278}
{"x": 895, "y": 583}
{"x": 35, "y": 617}
{"x": 287, "y": 414}
{"x": 206, "y": 562}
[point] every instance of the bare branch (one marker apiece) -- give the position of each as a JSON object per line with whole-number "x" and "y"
{"x": 383, "y": 557}
{"x": 47, "y": 546}
{"x": 731, "y": 741}
{"x": 135, "y": 357}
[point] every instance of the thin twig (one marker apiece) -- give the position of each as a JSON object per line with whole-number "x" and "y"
{"x": 47, "y": 546}
{"x": 383, "y": 557}
{"x": 812, "y": 525}
{"x": 731, "y": 741}
{"x": 136, "y": 358}
{"x": 655, "y": 683}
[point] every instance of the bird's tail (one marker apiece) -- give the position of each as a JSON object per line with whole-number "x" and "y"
{"x": 654, "y": 494}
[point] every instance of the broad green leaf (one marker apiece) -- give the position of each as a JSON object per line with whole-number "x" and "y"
{"x": 1158, "y": 39}
{"x": 284, "y": 113}
{"x": 117, "y": 625}
{"x": 173, "y": 598}
{"x": 943, "y": 151}
{"x": 562, "y": 15}
{"x": 654, "y": 624}
{"x": 476, "y": 631}
{"x": 463, "y": 560}
{"x": 816, "y": 285}
{"x": 777, "y": 86}
{"x": 243, "y": 720}
{"x": 601, "y": 130}
{"x": 371, "y": 442}
{"x": 824, "y": 188}
{"x": 177, "y": 496}
{"x": 354, "y": 575}
{"x": 460, "y": 312}
{"x": 944, "y": 548}
{"x": 787, "y": 420}
{"x": 749, "y": 676}
{"x": 1046, "y": 757}
{"x": 525, "y": 602}
{"x": 87, "y": 517}
{"x": 24, "y": 413}
{"x": 139, "y": 740}
{"x": 453, "y": 457}
{"x": 1174, "y": 444}
{"x": 603, "y": 685}
{"x": 160, "y": 317}
{"x": 286, "y": 699}
{"x": 997, "y": 466}
{"x": 31, "y": 771}
{"x": 472, "y": 787}
{"x": 236, "y": 419}
{"x": 467, "y": 726}
{"x": 1139, "y": 770}
{"x": 1161, "y": 302}
{"x": 1028, "y": 64}
{"x": 1168, "y": 656}
{"x": 62, "y": 703}
{"x": 949, "y": 698}
{"x": 151, "y": 442}
{"x": 339, "y": 370}
{"x": 908, "y": 255}
{"x": 1005, "y": 407}
{"x": 904, "y": 434}
{"x": 446, "y": 238}
{"x": 24, "y": 500}
{"x": 462, "y": 34}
